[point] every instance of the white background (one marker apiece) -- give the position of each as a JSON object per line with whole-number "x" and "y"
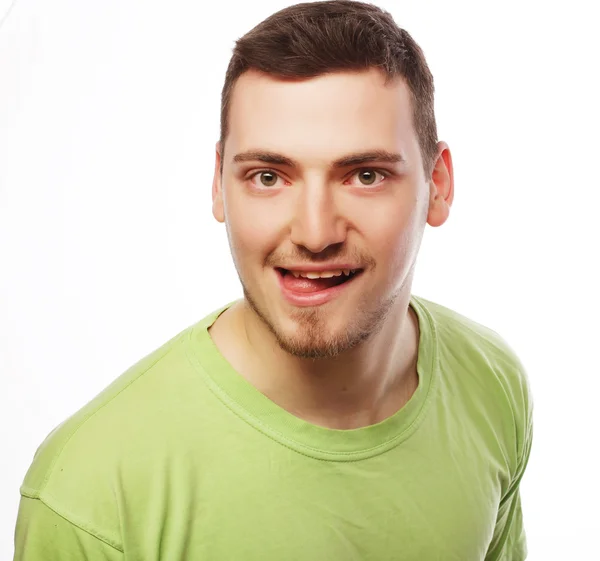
{"x": 109, "y": 113}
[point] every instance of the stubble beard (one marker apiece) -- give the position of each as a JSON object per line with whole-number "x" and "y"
{"x": 312, "y": 339}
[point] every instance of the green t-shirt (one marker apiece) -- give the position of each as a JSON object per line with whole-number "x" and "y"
{"x": 181, "y": 458}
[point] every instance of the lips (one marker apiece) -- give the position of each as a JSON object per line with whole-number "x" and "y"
{"x": 302, "y": 284}
{"x": 300, "y": 291}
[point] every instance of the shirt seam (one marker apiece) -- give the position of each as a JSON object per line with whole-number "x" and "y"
{"x": 72, "y": 519}
{"x": 502, "y": 544}
{"x": 519, "y": 451}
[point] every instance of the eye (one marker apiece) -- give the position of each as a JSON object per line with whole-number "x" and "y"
{"x": 368, "y": 177}
{"x": 266, "y": 178}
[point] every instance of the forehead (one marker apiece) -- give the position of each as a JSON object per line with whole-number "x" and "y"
{"x": 320, "y": 118}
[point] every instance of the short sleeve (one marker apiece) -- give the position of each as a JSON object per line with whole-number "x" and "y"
{"x": 43, "y": 535}
{"x": 509, "y": 542}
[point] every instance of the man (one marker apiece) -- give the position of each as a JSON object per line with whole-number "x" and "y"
{"x": 330, "y": 414}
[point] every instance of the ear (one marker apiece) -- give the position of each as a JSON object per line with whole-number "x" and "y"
{"x": 441, "y": 187}
{"x": 218, "y": 208}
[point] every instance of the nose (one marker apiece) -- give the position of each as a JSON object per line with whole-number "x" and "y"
{"x": 317, "y": 222}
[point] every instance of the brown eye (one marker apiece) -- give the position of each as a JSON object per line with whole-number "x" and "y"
{"x": 367, "y": 177}
{"x": 268, "y": 178}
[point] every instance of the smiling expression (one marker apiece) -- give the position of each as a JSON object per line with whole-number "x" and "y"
{"x": 322, "y": 177}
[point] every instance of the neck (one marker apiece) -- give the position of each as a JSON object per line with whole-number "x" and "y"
{"x": 360, "y": 387}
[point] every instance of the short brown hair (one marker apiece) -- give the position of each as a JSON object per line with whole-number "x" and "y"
{"x": 313, "y": 38}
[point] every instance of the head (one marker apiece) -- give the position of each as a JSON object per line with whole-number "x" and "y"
{"x": 328, "y": 156}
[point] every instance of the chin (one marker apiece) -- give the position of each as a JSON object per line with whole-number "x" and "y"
{"x": 316, "y": 343}
{"x": 312, "y": 333}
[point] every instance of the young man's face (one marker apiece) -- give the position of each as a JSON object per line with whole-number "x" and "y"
{"x": 286, "y": 219}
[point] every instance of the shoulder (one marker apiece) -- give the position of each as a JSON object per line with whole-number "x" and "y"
{"x": 478, "y": 360}
{"x": 471, "y": 344}
{"x": 76, "y": 467}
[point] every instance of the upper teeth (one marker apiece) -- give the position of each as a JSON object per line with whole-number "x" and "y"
{"x": 322, "y": 274}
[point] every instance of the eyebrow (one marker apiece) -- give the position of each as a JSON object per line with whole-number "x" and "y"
{"x": 345, "y": 161}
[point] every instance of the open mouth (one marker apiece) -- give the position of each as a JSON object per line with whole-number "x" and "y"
{"x": 310, "y": 282}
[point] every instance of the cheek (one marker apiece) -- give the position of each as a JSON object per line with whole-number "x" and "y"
{"x": 252, "y": 229}
{"x": 395, "y": 240}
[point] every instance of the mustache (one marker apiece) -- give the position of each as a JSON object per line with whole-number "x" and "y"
{"x": 307, "y": 257}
